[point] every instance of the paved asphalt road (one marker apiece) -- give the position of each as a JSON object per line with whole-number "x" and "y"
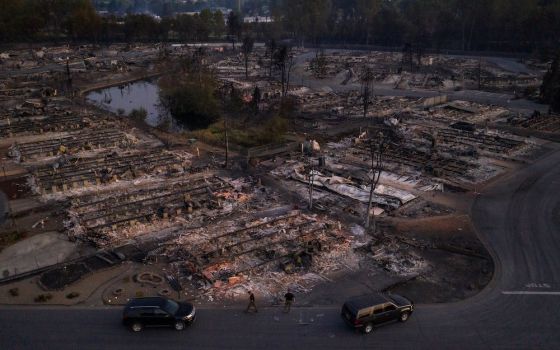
{"x": 3, "y": 207}
{"x": 518, "y": 219}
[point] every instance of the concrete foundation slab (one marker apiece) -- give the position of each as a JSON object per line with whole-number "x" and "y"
{"x": 36, "y": 252}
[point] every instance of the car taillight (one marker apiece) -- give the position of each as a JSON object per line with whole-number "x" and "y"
{"x": 357, "y": 322}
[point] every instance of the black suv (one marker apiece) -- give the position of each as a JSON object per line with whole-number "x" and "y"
{"x": 365, "y": 312}
{"x": 157, "y": 312}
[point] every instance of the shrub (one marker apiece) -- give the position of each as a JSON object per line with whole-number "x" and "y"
{"x": 139, "y": 114}
{"x": 42, "y": 298}
{"x": 550, "y": 89}
{"x": 273, "y": 130}
{"x": 192, "y": 100}
{"x": 72, "y": 295}
{"x": 9, "y": 238}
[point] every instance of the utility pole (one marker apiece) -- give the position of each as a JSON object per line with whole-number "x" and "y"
{"x": 8, "y": 202}
{"x": 227, "y": 140}
{"x": 479, "y": 73}
{"x": 68, "y": 76}
{"x": 376, "y": 169}
{"x": 367, "y": 89}
{"x": 311, "y": 180}
{"x": 226, "y": 126}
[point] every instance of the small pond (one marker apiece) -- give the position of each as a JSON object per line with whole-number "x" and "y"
{"x": 136, "y": 95}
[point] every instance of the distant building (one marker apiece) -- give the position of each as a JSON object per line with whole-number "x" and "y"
{"x": 258, "y": 19}
{"x": 188, "y": 13}
{"x": 104, "y": 13}
{"x": 225, "y": 12}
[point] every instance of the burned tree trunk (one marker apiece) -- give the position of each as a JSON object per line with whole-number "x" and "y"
{"x": 285, "y": 62}
{"x": 247, "y": 49}
{"x": 367, "y": 88}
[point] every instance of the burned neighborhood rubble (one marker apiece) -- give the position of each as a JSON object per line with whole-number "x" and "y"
{"x": 419, "y": 70}
{"x": 253, "y": 253}
{"x": 355, "y": 196}
{"x": 537, "y": 121}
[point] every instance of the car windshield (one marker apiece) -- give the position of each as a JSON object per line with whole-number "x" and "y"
{"x": 171, "y": 307}
{"x": 397, "y": 299}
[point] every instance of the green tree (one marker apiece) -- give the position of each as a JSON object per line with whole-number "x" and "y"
{"x": 19, "y": 20}
{"x": 235, "y": 104}
{"x": 190, "y": 96}
{"x": 139, "y": 114}
{"x": 83, "y": 22}
{"x": 305, "y": 19}
{"x": 204, "y": 23}
{"x": 550, "y": 89}
{"x": 273, "y": 130}
{"x": 235, "y": 26}
{"x": 185, "y": 26}
{"x": 218, "y": 24}
{"x": 369, "y": 9}
{"x": 422, "y": 21}
{"x": 141, "y": 27}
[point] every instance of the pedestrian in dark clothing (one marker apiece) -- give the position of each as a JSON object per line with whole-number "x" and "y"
{"x": 289, "y": 301}
{"x": 252, "y": 307}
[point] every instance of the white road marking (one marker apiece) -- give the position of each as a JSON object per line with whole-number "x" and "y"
{"x": 538, "y": 285}
{"x": 525, "y": 292}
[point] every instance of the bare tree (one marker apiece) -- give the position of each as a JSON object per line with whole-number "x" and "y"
{"x": 247, "y": 49}
{"x": 407, "y": 58}
{"x": 257, "y": 97}
{"x": 271, "y": 49}
{"x": 318, "y": 64}
{"x": 68, "y": 78}
{"x": 233, "y": 107}
{"x": 284, "y": 60}
{"x": 289, "y": 66}
{"x": 366, "y": 79}
{"x": 377, "y": 149}
{"x": 419, "y": 55}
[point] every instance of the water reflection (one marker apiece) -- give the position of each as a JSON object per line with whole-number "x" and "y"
{"x": 140, "y": 94}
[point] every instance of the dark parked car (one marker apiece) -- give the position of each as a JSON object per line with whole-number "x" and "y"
{"x": 368, "y": 311}
{"x": 157, "y": 312}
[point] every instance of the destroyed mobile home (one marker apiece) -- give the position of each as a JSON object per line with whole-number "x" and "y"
{"x": 282, "y": 216}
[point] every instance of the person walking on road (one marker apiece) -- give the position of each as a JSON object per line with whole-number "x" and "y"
{"x": 289, "y": 297}
{"x": 252, "y": 307}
